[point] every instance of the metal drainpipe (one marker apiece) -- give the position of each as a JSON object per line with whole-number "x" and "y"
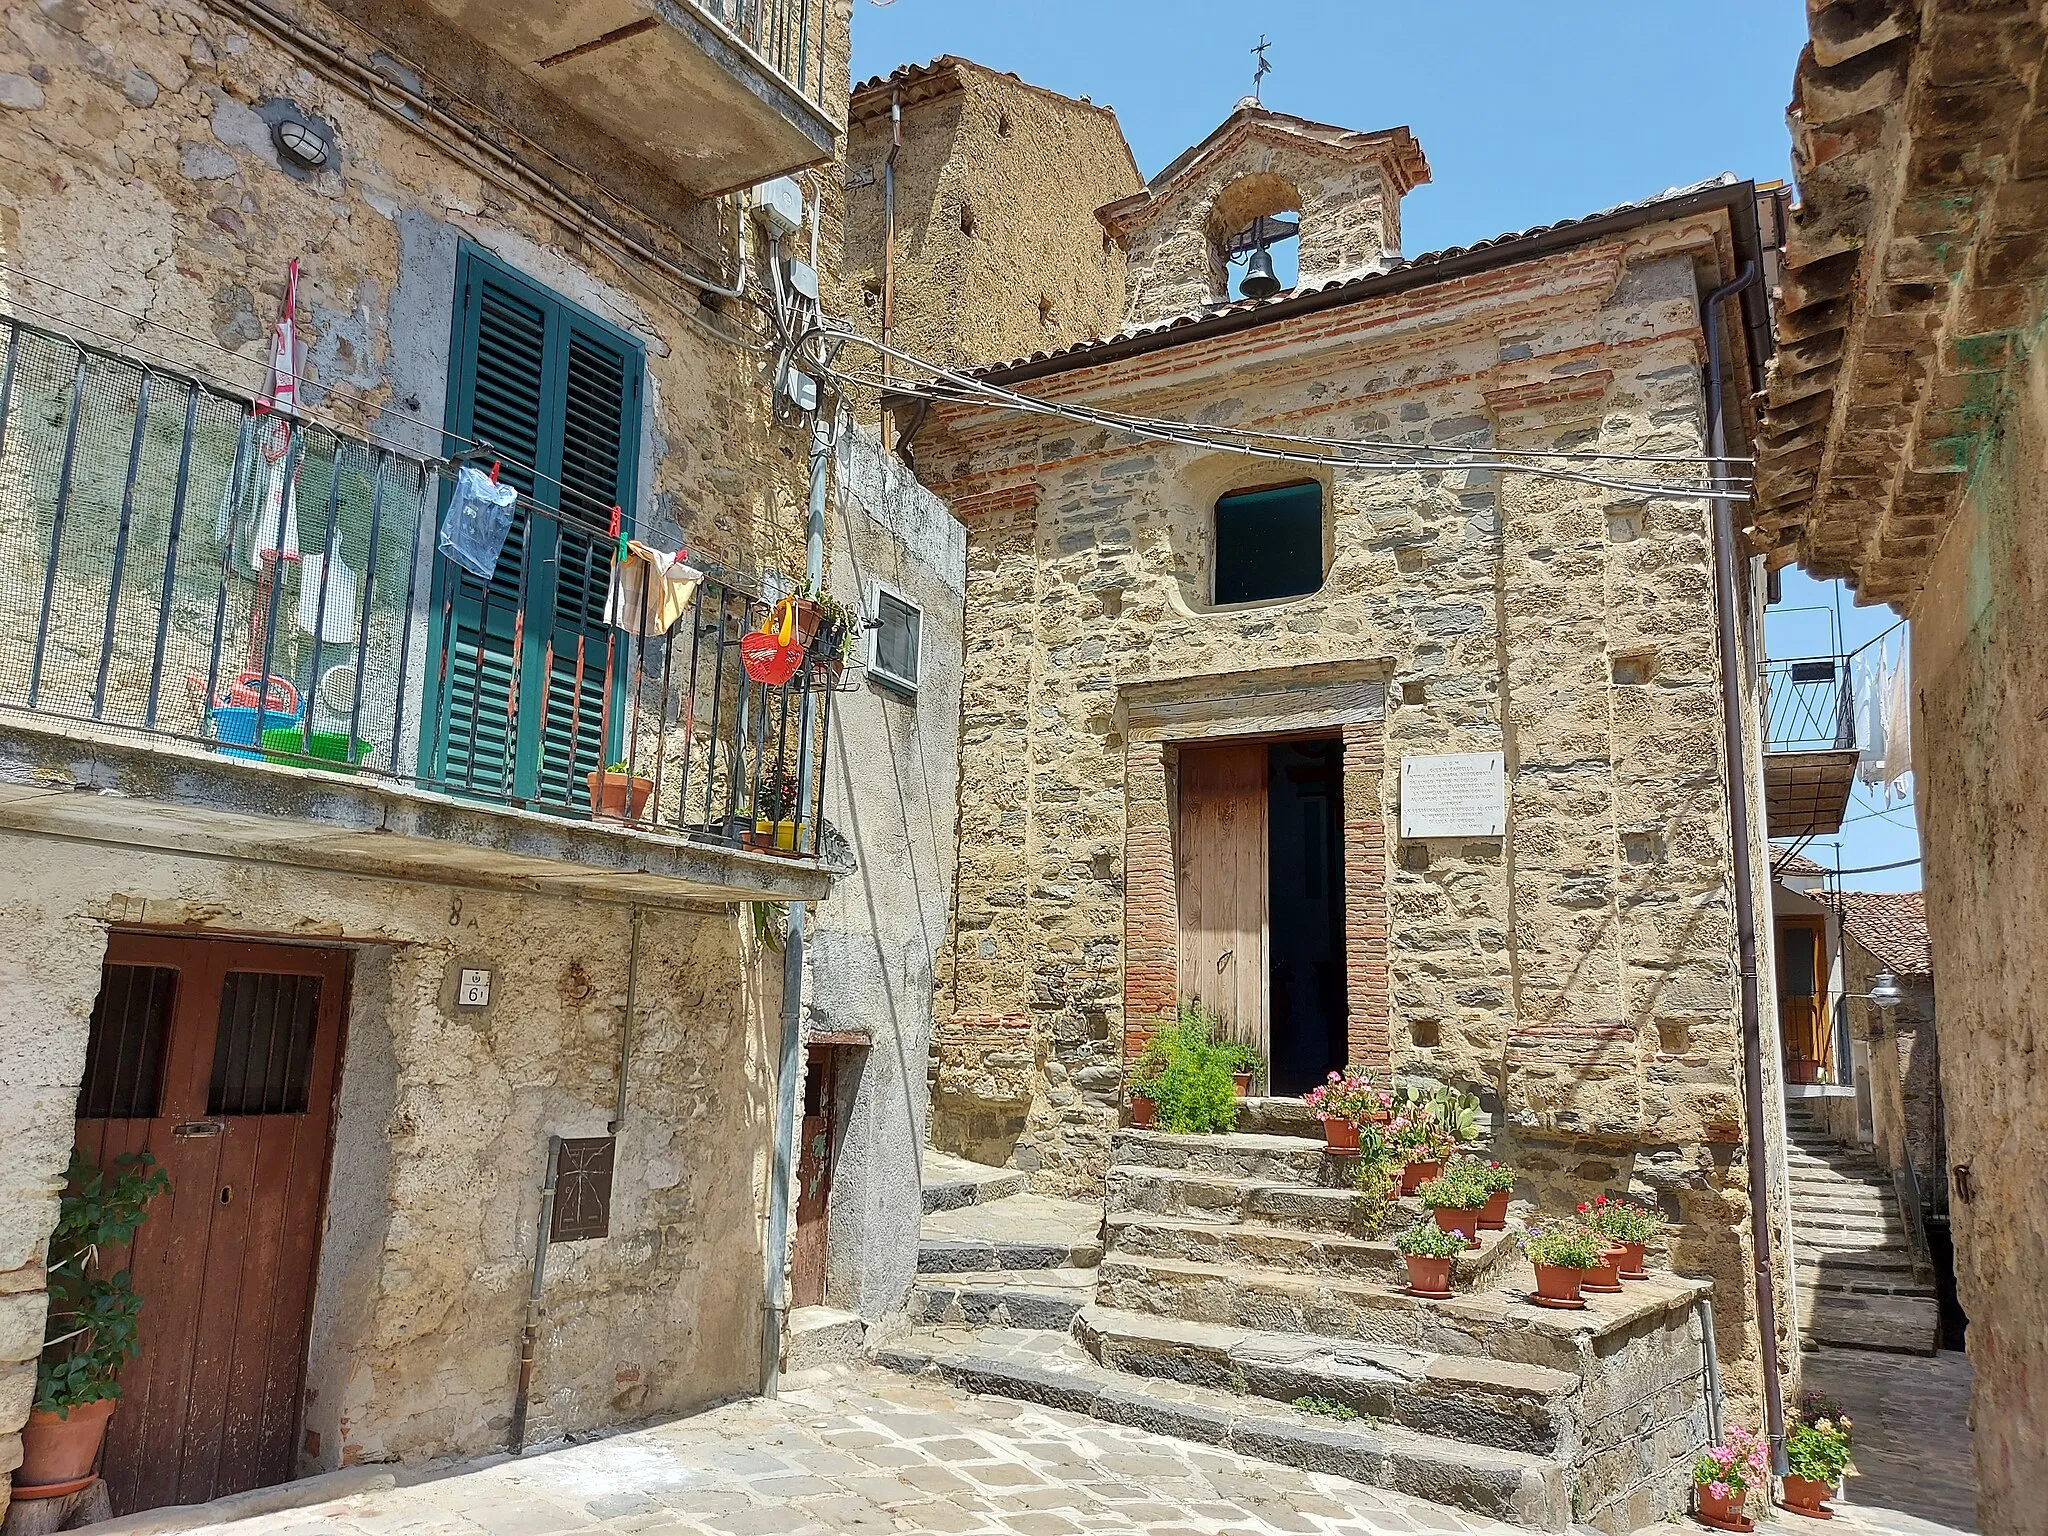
{"x": 626, "y": 1035}
{"x": 889, "y": 249}
{"x": 529, "y": 1335}
{"x": 1745, "y": 892}
{"x": 775, "y": 1301}
{"x": 1705, "y": 1308}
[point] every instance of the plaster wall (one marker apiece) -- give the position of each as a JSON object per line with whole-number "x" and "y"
{"x": 894, "y": 775}
{"x": 1980, "y": 668}
{"x": 1577, "y": 974}
{"x": 441, "y": 1135}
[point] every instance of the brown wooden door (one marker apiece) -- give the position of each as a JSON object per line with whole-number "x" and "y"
{"x": 1221, "y": 884}
{"x": 220, "y": 1058}
{"x": 813, "y": 1181}
{"x": 1802, "y": 989}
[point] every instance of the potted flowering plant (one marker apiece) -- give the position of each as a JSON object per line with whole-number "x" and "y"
{"x": 1561, "y": 1253}
{"x": 1343, "y": 1104}
{"x": 1498, "y": 1180}
{"x": 1430, "y": 1252}
{"x": 1454, "y": 1197}
{"x": 1723, "y": 1476}
{"x": 1816, "y": 1456}
{"x": 1419, "y": 1140}
{"x": 617, "y": 793}
{"x": 1628, "y": 1226}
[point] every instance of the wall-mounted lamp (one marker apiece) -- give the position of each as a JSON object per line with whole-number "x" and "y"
{"x": 1885, "y": 991}
{"x": 302, "y": 142}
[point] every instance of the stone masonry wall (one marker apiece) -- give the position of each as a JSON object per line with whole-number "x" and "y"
{"x": 1579, "y": 974}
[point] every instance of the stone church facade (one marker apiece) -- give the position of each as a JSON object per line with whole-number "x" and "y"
{"x": 1194, "y": 676}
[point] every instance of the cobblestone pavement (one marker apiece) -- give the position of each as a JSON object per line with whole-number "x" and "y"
{"x": 1914, "y": 1471}
{"x": 867, "y": 1451}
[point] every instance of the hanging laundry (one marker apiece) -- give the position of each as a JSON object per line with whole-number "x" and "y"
{"x": 277, "y": 511}
{"x": 333, "y": 620}
{"x": 651, "y": 590}
{"x": 1898, "y": 728}
{"x": 1869, "y": 689}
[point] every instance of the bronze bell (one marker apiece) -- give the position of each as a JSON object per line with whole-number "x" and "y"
{"x": 1260, "y": 282}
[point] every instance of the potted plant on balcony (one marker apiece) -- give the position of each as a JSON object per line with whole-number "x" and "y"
{"x": 1723, "y": 1476}
{"x": 90, "y": 1331}
{"x": 776, "y": 811}
{"x": 617, "y": 793}
{"x": 839, "y": 627}
{"x": 1430, "y": 1252}
{"x": 1454, "y": 1197}
{"x": 1344, "y": 1103}
{"x": 1631, "y": 1228}
{"x": 1560, "y": 1252}
{"x": 1498, "y": 1179}
{"x": 1816, "y": 1456}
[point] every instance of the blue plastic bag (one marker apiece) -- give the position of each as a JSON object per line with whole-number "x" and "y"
{"x": 478, "y": 519}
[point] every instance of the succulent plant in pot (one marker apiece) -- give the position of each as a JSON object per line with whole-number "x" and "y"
{"x": 1430, "y": 1253}
{"x": 1561, "y": 1253}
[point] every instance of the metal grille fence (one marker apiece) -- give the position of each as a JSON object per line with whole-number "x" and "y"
{"x": 175, "y": 561}
{"x": 788, "y": 34}
{"x": 1810, "y": 708}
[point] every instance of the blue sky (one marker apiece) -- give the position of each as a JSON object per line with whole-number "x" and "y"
{"x": 1528, "y": 114}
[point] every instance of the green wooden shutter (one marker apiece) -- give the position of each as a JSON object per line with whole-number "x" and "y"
{"x": 549, "y": 387}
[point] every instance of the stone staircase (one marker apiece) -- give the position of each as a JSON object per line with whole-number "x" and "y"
{"x": 989, "y": 1253}
{"x": 1861, "y": 1285}
{"x": 1230, "y": 1284}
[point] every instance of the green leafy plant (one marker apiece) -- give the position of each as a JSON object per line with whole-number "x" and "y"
{"x": 1427, "y": 1240}
{"x": 1326, "y": 1408}
{"x": 1185, "y": 1070}
{"x": 1247, "y": 1059}
{"x": 1416, "y": 1137}
{"x": 91, "y": 1328}
{"x": 1494, "y": 1178}
{"x": 1622, "y": 1221}
{"x": 1374, "y": 1177}
{"x": 1818, "y": 1449}
{"x": 1564, "y": 1244}
{"x": 618, "y": 767}
{"x": 1455, "y": 1189}
{"x": 839, "y": 625}
{"x": 771, "y": 919}
{"x": 1456, "y": 1112}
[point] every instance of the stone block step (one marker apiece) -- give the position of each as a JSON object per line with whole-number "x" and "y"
{"x": 1027, "y": 1298}
{"x": 1219, "y": 1197}
{"x": 1895, "y": 1324}
{"x": 1256, "y": 1245}
{"x": 1888, "y": 1238}
{"x": 952, "y": 1182}
{"x": 1240, "y": 1155}
{"x": 1856, "y": 1261}
{"x": 1881, "y": 1282}
{"x": 1016, "y": 1232}
{"x": 821, "y": 1336}
{"x": 1525, "y": 1489}
{"x": 1460, "y": 1397}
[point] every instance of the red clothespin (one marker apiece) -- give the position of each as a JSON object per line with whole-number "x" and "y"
{"x": 494, "y": 471}
{"x": 618, "y": 533}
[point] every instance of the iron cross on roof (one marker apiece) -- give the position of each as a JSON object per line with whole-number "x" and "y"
{"x": 1265, "y": 68}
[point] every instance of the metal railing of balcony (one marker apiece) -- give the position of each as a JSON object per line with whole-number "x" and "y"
{"x": 1809, "y": 707}
{"x": 788, "y": 35}
{"x": 178, "y": 563}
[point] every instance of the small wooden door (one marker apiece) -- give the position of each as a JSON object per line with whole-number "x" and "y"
{"x": 1220, "y": 860}
{"x": 813, "y": 1181}
{"x": 1802, "y": 985}
{"x": 219, "y": 1058}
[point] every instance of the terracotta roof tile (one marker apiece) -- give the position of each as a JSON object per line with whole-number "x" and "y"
{"x": 1892, "y": 925}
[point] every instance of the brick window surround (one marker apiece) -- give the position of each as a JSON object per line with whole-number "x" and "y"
{"x": 1340, "y": 699}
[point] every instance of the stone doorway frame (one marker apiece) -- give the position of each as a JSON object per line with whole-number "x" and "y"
{"x": 1345, "y": 699}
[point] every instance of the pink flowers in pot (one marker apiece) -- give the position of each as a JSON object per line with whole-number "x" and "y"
{"x": 1347, "y": 1096}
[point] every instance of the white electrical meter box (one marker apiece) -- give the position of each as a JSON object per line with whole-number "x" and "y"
{"x": 780, "y": 205}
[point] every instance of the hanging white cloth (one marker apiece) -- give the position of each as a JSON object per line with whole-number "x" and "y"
{"x": 1869, "y": 696}
{"x": 334, "y": 621}
{"x": 651, "y": 589}
{"x": 277, "y": 511}
{"x": 1898, "y": 729}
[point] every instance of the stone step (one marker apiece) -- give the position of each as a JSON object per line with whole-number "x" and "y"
{"x": 1483, "y": 1402}
{"x": 1218, "y": 1197}
{"x": 1841, "y": 1207}
{"x": 1515, "y": 1486}
{"x": 1858, "y": 1261}
{"x": 1893, "y": 1324}
{"x": 820, "y": 1336}
{"x": 1850, "y": 1239}
{"x": 1016, "y": 1232}
{"x": 1261, "y": 1246}
{"x": 1900, "y": 1282}
{"x": 1025, "y": 1298}
{"x": 1270, "y": 1159}
{"x": 952, "y": 1182}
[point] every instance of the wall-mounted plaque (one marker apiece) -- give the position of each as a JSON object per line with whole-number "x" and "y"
{"x": 1455, "y": 794}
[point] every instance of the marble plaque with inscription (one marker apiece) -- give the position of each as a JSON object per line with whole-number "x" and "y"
{"x": 1454, "y": 794}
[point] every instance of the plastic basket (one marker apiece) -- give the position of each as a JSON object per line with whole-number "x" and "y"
{"x": 331, "y": 751}
{"x": 236, "y": 723}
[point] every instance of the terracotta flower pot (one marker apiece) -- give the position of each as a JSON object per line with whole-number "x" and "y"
{"x": 1428, "y": 1277}
{"x": 1242, "y": 1082}
{"x": 1142, "y": 1110}
{"x": 1465, "y": 1223}
{"x": 1340, "y": 1135}
{"x": 1493, "y": 1216}
{"x": 1801, "y": 1070}
{"x": 1605, "y": 1273}
{"x": 1722, "y": 1514}
{"x": 616, "y": 796}
{"x": 1415, "y": 1175}
{"x": 1632, "y": 1261}
{"x": 808, "y": 614}
{"x": 1806, "y": 1496}
{"x": 57, "y": 1453}
{"x": 1557, "y": 1285}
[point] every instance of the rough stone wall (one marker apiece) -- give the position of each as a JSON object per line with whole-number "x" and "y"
{"x": 1979, "y": 668}
{"x": 998, "y": 251}
{"x": 1579, "y": 974}
{"x": 1904, "y": 1065}
{"x": 441, "y": 1136}
{"x": 892, "y": 792}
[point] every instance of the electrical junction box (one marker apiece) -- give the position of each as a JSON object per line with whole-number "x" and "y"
{"x": 779, "y": 204}
{"x": 802, "y": 391}
{"x": 803, "y": 279}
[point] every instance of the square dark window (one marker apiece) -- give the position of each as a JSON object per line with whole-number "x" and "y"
{"x": 897, "y": 640}
{"x": 583, "y": 1189}
{"x": 1269, "y": 544}
{"x": 124, "y": 1053}
{"x": 263, "y": 1052}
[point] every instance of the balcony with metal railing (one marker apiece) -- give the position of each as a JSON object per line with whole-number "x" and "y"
{"x": 1809, "y": 744}
{"x": 238, "y": 627}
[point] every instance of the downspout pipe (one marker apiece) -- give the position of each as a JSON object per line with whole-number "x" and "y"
{"x": 789, "y": 1065}
{"x": 529, "y": 1336}
{"x": 889, "y": 247}
{"x": 1726, "y": 561}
